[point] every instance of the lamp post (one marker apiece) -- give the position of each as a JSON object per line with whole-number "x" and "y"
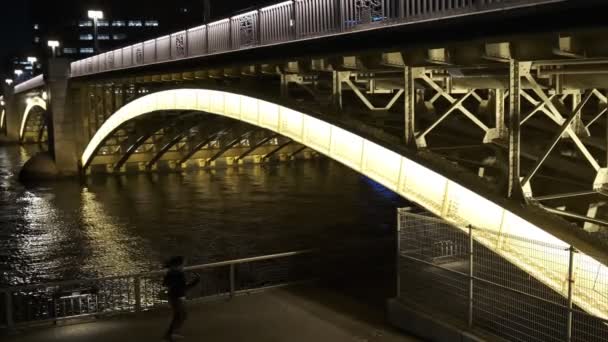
{"x": 95, "y": 15}
{"x": 18, "y": 73}
{"x": 53, "y": 44}
{"x": 32, "y": 61}
{"x": 8, "y": 81}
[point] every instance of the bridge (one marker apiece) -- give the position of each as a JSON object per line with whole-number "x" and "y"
{"x": 487, "y": 113}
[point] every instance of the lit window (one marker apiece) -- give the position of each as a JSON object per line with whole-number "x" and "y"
{"x": 134, "y": 23}
{"x": 103, "y": 37}
{"x": 103, "y": 23}
{"x": 86, "y": 36}
{"x": 86, "y": 50}
{"x": 36, "y": 27}
{"x": 118, "y": 23}
{"x": 29, "y": 67}
{"x": 69, "y": 51}
{"x": 151, "y": 23}
{"x": 119, "y": 36}
{"x": 85, "y": 23}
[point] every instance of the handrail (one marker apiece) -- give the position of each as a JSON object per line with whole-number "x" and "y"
{"x": 154, "y": 273}
{"x": 50, "y": 302}
{"x": 283, "y": 22}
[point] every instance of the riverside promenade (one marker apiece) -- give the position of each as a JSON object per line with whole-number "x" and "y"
{"x": 294, "y": 314}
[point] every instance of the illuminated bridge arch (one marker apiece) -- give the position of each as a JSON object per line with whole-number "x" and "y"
{"x": 32, "y": 104}
{"x": 2, "y": 118}
{"x": 431, "y": 190}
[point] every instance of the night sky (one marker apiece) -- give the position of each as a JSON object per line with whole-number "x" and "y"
{"x": 16, "y": 24}
{"x": 14, "y": 28}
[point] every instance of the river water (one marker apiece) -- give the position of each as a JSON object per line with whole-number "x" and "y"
{"x": 112, "y": 225}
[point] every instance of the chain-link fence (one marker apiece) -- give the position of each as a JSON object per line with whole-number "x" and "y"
{"x": 465, "y": 273}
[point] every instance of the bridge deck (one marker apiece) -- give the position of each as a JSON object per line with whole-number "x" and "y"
{"x": 294, "y": 314}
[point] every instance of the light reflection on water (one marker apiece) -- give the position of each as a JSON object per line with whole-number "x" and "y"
{"x": 117, "y": 225}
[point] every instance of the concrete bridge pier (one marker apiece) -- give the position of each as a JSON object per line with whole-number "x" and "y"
{"x": 65, "y": 123}
{"x": 12, "y": 115}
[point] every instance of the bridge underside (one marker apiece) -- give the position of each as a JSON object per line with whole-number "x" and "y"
{"x": 508, "y": 133}
{"x": 35, "y": 129}
{"x": 186, "y": 140}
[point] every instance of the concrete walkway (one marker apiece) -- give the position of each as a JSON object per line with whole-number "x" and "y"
{"x": 290, "y": 315}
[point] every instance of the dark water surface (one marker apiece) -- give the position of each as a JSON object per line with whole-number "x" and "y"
{"x": 123, "y": 224}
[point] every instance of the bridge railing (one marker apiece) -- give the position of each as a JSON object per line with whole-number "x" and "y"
{"x": 31, "y": 305}
{"x": 283, "y": 22}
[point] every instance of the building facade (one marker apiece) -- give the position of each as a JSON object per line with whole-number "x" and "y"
{"x": 123, "y": 23}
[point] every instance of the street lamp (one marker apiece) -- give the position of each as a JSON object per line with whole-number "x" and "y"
{"x": 53, "y": 44}
{"x": 8, "y": 81}
{"x": 95, "y": 15}
{"x": 18, "y": 72}
{"x": 32, "y": 60}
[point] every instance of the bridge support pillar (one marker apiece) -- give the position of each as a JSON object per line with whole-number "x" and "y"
{"x": 65, "y": 122}
{"x": 13, "y": 115}
{"x": 514, "y": 189}
{"x": 410, "y": 106}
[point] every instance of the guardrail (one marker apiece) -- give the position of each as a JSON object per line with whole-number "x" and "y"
{"x": 29, "y": 305}
{"x": 283, "y": 22}
{"x": 465, "y": 275}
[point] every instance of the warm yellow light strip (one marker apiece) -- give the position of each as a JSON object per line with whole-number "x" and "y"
{"x": 31, "y": 103}
{"x": 2, "y": 119}
{"x": 411, "y": 180}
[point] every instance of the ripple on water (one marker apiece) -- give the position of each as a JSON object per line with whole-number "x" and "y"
{"x": 117, "y": 225}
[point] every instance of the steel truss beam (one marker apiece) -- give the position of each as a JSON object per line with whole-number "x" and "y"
{"x": 172, "y": 142}
{"x": 456, "y": 104}
{"x": 231, "y": 144}
{"x": 420, "y": 138}
{"x": 142, "y": 140}
{"x": 410, "y": 106}
{"x": 563, "y": 196}
{"x": 344, "y": 77}
{"x": 204, "y": 142}
{"x": 539, "y": 106}
{"x": 557, "y": 117}
{"x": 514, "y": 189}
{"x": 604, "y": 101}
{"x": 277, "y": 149}
{"x": 576, "y": 216}
{"x": 296, "y": 152}
{"x": 256, "y": 146}
{"x": 565, "y": 126}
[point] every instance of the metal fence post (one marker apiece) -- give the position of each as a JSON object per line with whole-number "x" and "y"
{"x": 232, "y": 276}
{"x": 137, "y": 284}
{"x": 571, "y": 253}
{"x": 397, "y": 254}
{"x": 471, "y": 243}
{"x": 10, "y": 322}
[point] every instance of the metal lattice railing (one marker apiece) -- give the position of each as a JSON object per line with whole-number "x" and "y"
{"x": 457, "y": 272}
{"x": 28, "y": 305}
{"x": 283, "y": 22}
